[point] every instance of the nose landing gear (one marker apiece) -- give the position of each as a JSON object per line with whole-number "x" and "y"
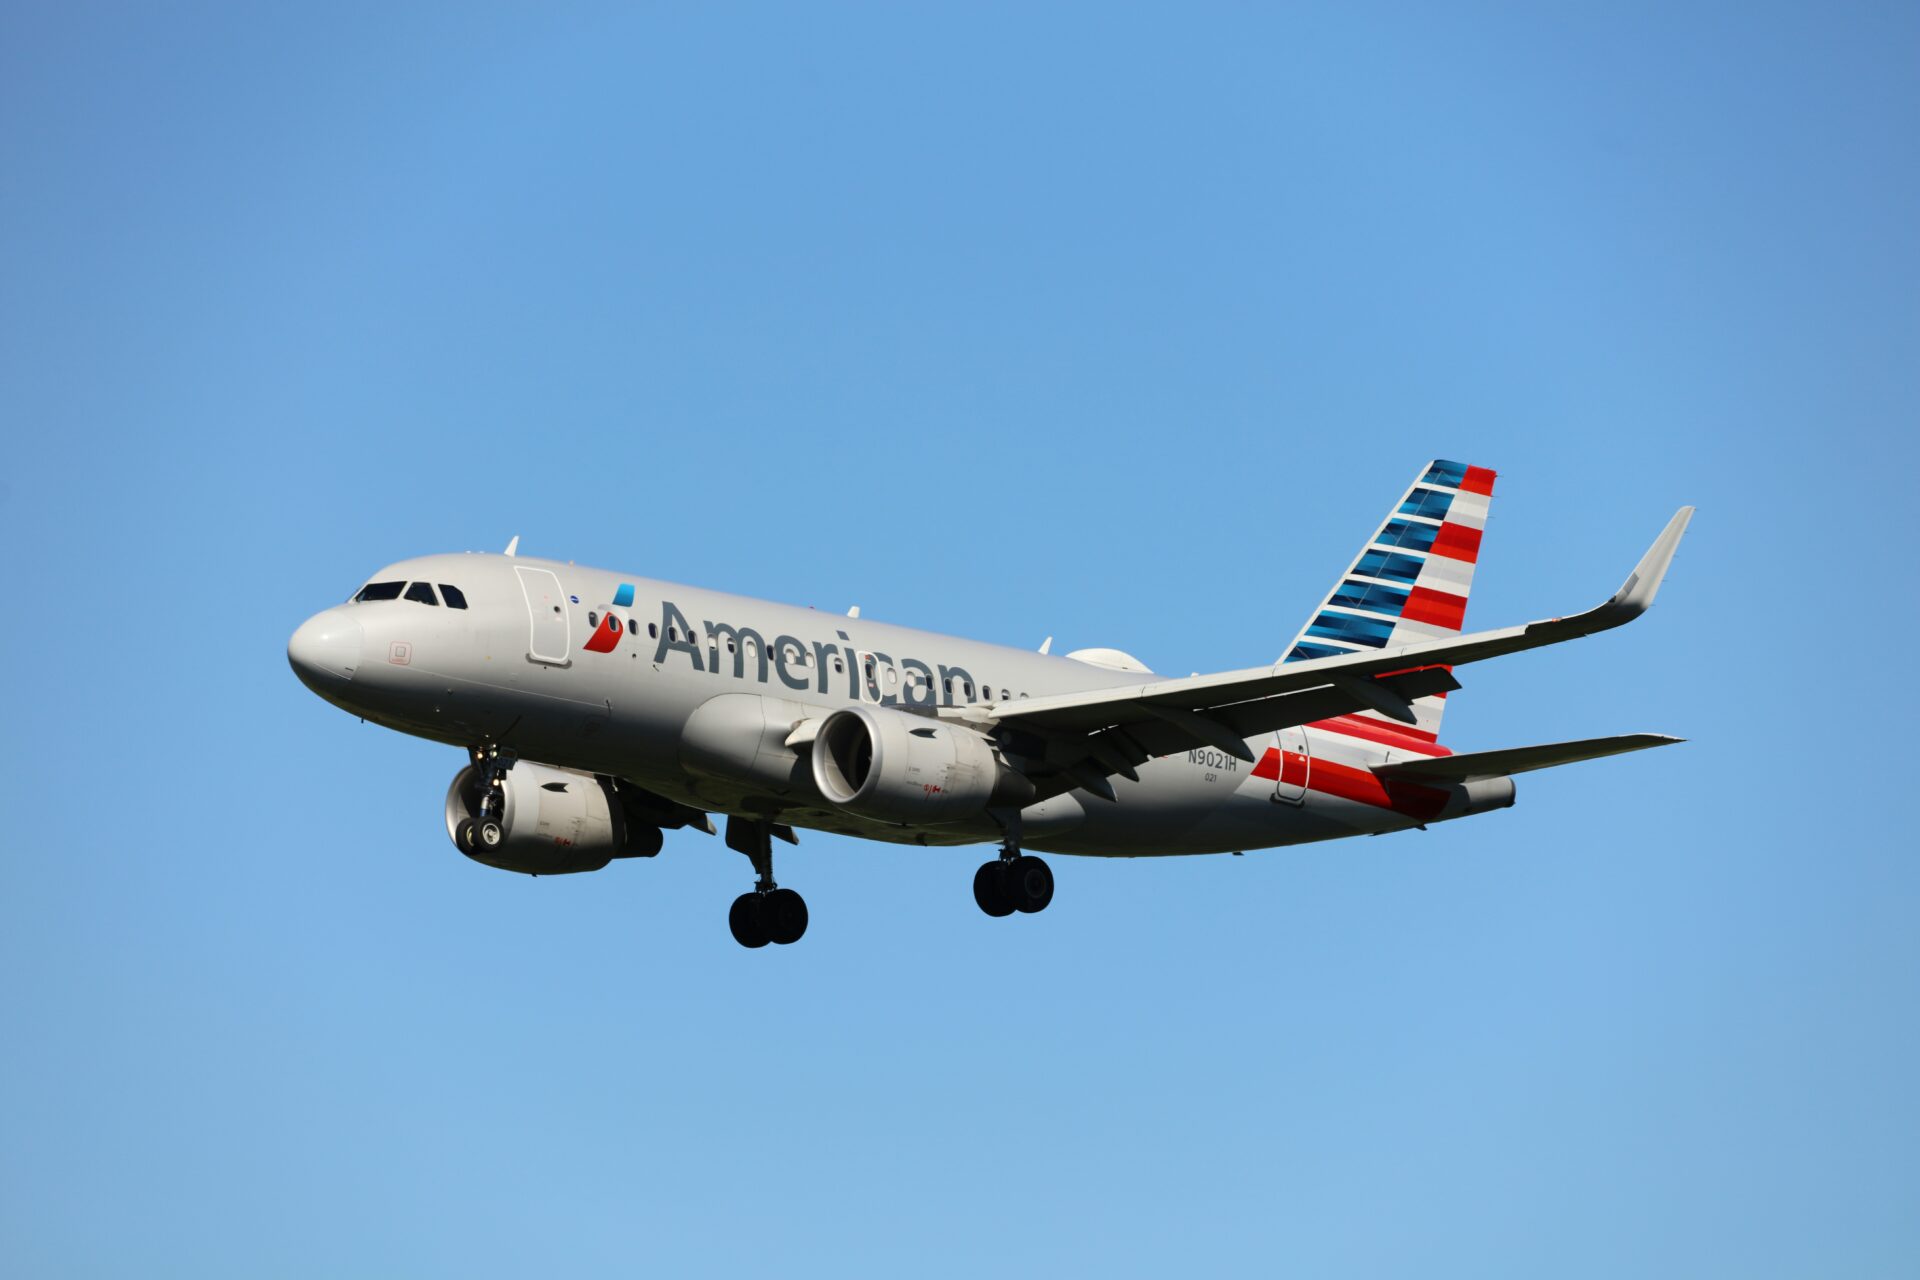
{"x": 769, "y": 913}
{"x": 483, "y": 832}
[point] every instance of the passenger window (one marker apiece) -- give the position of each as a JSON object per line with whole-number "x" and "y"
{"x": 593, "y": 619}
{"x": 380, "y": 591}
{"x": 453, "y": 596}
{"x": 630, "y": 626}
{"x": 422, "y": 593}
{"x": 653, "y": 631}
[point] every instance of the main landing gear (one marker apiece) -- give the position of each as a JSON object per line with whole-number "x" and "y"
{"x": 769, "y": 913}
{"x": 1013, "y": 882}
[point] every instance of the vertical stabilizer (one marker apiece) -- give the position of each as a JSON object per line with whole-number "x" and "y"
{"x": 1410, "y": 581}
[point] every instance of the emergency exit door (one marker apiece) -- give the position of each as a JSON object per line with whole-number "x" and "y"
{"x": 1296, "y": 765}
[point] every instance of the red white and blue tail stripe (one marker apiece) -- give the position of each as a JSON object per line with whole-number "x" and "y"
{"x": 1410, "y": 582}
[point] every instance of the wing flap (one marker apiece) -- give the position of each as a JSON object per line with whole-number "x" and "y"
{"x": 1162, "y": 726}
{"x": 1262, "y": 699}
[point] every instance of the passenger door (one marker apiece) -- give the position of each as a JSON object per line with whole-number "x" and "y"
{"x": 550, "y": 635}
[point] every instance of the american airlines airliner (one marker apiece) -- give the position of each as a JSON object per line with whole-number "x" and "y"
{"x": 600, "y": 710}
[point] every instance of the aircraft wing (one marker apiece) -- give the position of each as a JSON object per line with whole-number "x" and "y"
{"x": 1090, "y": 735}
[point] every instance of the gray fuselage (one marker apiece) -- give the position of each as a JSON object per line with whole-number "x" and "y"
{"x": 533, "y": 664}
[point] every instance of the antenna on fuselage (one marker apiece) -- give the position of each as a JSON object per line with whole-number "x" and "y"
{"x": 1046, "y": 646}
{"x": 851, "y": 613}
{"x": 514, "y": 545}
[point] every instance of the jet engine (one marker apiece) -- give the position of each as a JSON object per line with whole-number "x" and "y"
{"x": 894, "y": 766}
{"x": 544, "y": 821}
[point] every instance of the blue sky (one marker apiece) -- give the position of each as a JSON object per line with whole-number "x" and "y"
{"x": 1118, "y": 324}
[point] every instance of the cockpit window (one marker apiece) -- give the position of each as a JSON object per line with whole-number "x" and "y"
{"x": 422, "y": 593}
{"x": 380, "y": 591}
{"x": 456, "y": 599}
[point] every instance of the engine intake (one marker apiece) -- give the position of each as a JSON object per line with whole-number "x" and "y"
{"x": 893, "y": 766}
{"x": 556, "y": 821}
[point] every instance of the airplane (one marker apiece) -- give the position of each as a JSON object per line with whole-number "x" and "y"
{"x": 600, "y": 710}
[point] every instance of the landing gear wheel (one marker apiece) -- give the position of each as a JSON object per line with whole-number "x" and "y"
{"x": 1029, "y": 884}
{"x": 463, "y": 835}
{"x": 990, "y": 889}
{"x": 785, "y": 913}
{"x": 488, "y": 834}
{"x": 748, "y": 920}
{"x": 769, "y": 913}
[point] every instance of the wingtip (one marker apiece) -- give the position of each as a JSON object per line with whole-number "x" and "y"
{"x": 1637, "y": 593}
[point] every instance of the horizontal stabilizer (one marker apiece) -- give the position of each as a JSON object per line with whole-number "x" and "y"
{"x": 1500, "y": 764}
{"x": 1158, "y": 716}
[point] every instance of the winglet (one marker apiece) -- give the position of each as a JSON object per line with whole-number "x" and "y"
{"x": 514, "y": 545}
{"x": 1638, "y": 591}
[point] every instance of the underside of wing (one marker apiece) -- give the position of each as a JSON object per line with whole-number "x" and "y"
{"x": 1512, "y": 760}
{"x": 1082, "y": 738}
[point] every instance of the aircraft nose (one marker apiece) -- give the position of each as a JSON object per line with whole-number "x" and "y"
{"x": 325, "y": 651}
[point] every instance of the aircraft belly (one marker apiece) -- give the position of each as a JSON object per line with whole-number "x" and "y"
{"x": 1188, "y": 805}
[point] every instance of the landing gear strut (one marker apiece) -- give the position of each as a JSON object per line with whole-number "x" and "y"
{"x": 1014, "y": 881}
{"x": 484, "y": 830}
{"x": 769, "y": 913}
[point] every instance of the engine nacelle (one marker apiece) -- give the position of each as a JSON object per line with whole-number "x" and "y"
{"x": 556, "y": 821}
{"x": 893, "y": 766}
{"x": 740, "y": 739}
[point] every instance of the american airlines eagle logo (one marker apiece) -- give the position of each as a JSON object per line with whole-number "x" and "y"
{"x": 607, "y": 635}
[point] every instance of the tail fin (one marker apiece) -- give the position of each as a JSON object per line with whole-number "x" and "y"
{"x": 1410, "y": 581}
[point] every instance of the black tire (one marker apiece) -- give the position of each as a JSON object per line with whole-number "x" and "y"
{"x": 1030, "y": 884}
{"x": 748, "y": 920}
{"x": 990, "y": 890}
{"x": 786, "y": 915}
{"x": 488, "y": 835}
{"x": 463, "y": 835}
